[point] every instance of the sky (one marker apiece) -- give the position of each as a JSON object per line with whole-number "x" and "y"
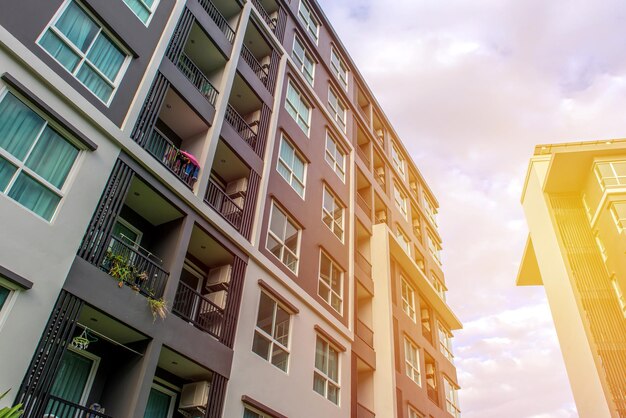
{"x": 471, "y": 86}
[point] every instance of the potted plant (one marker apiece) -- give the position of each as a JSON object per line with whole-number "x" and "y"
{"x": 14, "y": 412}
{"x": 158, "y": 307}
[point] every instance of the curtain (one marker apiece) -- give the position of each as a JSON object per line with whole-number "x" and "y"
{"x": 158, "y": 404}
{"x": 6, "y": 173}
{"x": 32, "y": 195}
{"x": 19, "y": 126}
{"x": 140, "y": 8}
{"x": 4, "y": 295}
{"x": 94, "y": 82}
{"x": 59, "y": 50}
{"x": 52, "y": 158}
{"x": 69, "y": 384}
{"x": 106, "y": 57}
{"x": 77, "y": 26}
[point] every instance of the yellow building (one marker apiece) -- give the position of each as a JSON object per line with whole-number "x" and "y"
{"x": 574, "y": 199}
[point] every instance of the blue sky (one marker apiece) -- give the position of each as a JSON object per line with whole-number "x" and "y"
{"x": 472, "y": 87}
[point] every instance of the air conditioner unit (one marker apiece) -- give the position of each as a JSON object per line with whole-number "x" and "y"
{"x": 237, "y": 187}
{"x": 413, "y": 186}
{"x": 194, "y": 395}
{"x": 379, "y": 133}
{"x": 416, "y": 223}
{"x": 239, "y": 201}
{"x": 380, "y": 172}
{"x": 219, "y": 275}
{"x": 425, "y": 315}
{"x": 218, "y": 298}
{"x": 381, "y": 216}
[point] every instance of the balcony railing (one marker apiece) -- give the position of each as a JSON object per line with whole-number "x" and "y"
{"x": 126, "y": 264}
{"x": 219, "y": 19}
{"x": 363, "y": 156}
{"x": 197, "y": 78}
{"x": 191, "y": 306}
{"x": 363, "y": 204}
{"x": 172, "y": 158}
{"x": 432, "y": 394}
{"x": 224, "y": 205}
{"x": 363, "y": 412}
{"x": 261, "y": 71}
{"x": 271, "y": 21}
{"x": 240, "y": 125}
{"x": 427, "y": 333}
{"x": 365, "y": 333}
{"x": 362, "y": 262}
{"x": 60, "y": 408}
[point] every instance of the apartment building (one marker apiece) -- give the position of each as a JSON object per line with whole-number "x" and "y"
{"x": 206, "y": 213}
{"x": 574, "y": 200}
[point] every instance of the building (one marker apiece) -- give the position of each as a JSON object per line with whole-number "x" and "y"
{"x": 205, "y": 212}
{"x": 574, "y": 199}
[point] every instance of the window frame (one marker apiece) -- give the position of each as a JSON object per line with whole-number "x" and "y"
{"x": 298, "y": 117}
{"x": 398, "y": 161}
{"x": 452, "y": 405}
{"x": 328, "y": 284}
{"x": 312, "y": 20}
{"x": 445, "y": 341}
{"x": 620, "y": 180}
{"x": 337, "y": 205}
{"x": 430, "y": 209}
{"x": 401, "y": 200}
{"x": 433, "y": 247}
{"x": 324, "y": 375}
{"x": 151, "y": 10}
{"x": 12, "y": 296}
{"x": 102, "y": 29}
{"x": 404, "y": 240}
{"x": 273, "y": 341}
{"x": 413, "y": 413}
{"x": 412, "y": 359}
{"x": 289, "y": 219}
{"x": 20, "y": 165}
{"x": 296, "y": 154}
{"x": 337, "y": 68}
{"x": 620, "y": 222}
{"x": 169, "y": 392}
{"x": 408, "y": 302}
{"x": 334, "y": 165}
{"x": 341, "y": 121}
{"x": 309, "y": 77}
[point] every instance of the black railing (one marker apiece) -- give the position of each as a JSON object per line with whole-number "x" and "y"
{"x": 244, "y": 130}
{"x": 126, "y": 264}
{"x": 224, "y": 205}
{"x": 191, "y": 306}
{"x": 197, "y": 78}
{"x": 60, "y": 408}
{"x": 261, "y": 71}
{"x": 219, "y": 19}
{"x": 172, "y": 158}
{"x": 271, "y": 21}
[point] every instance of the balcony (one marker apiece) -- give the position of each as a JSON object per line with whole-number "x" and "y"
{"x": 360, "y": 200}
{"x": 260, "y": 70}
{"x": 363, "y": 412}
{"x": 431, "y": 378}
{"x": 197, "y": 78}
{"x": 58, "y": 407}
{"x": 363, "y": 264}
{"x": 219, "y": 19}
{"x": 365, "y": 333}
{"x": 198, "y": 310}
{"x": 239, "y": 124}
{"x": 182, "y": 164}
{"x": 223, "y": 204}
{"x": 261, "y": 59}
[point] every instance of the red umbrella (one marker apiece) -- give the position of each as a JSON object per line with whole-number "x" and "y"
{"x": 191, "y": 158}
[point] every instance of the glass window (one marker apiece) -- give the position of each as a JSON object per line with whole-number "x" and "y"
{"x": 619, "y": 294}
{"x": 4, "y": 296}
{"x": 404, "y": 241}
{"x": 72, "y": 381}
{"x": 434, "y": 248}
{"x": 438, "y": 285}
{"x": 398, "y": 160}
{"x": 414, "y": 414}
{"x": 445, "y": 342}
{"x": 337, "y": 109}
{"x": 142, "y": 8}
{"x": 253, "y": 413}
{"x": 298, "y": 108}
{"x": 412, "y": 361}
{"x": 335, "y": 156}
{"x": 77, "y": 41}
{"x": 611, "y": 174}
{"x": 618, "y": 210}
{"x": 271, "y": 335}
{"x": 332, "y": 213}
{"x": 401, "y": 201}
{"x": 408, "y": 300}
{"x": 452, "y": 402}
{"x": 431, "y": 211}
{"x": 291, "y": 166}
{"x": 160, "y": 403}
{"x": 304, "y": 60}
{"x": 339, "y": 68}
{"x": 330, "y": 282}
{"x": 310, "y": 22}
{"x": 35, "y": 160}
{"x": 283, "y": 238}
{"x": 326, "y": 374}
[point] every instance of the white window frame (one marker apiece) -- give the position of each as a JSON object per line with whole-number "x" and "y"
{"x": 452, "y": 401}
{"x": 412, "y": 361}
{"x": 403, "y": 240}
{"x": 430, "y": 208}
{"x": 292, "y": 175}
{"x": 414, "y": 414}
{"x": 337, "y": 205}
{"x": 434, "y": 248}
{"x": 83, "y": 55}
{"x": 620, "y": 180}
{"x": 401, "y": 201}
{"x": 331, "y": 159}
{"x": 619, "y": 294}
{"x": 338, "y": 65}
{"x": 275, "y": 206}
{"x": 586, "y": 206}
{"x": 620, "y": 223}
{"x": 398, "y": 160}
{"x": 328, "y": 285}
{"x": 438, "y": 285}
{"x": 273, "y": 341}
{"x": 21, "y": 165}
{"x": 300, "y": 60}
{"x": 254, "y": 410}
{"x": 173, "y": 395}
{"x": 407, "y": 294}
{"x": 130, "y": 226}
{"x": 296, "y": 106}
{"x": 309, "y": 21}
{"x": 327, "y": 379}
{"x": 92, "y": 373}
{"x": 151, "y": 9}
{"x": 601, "y": 246}
{"x": 338, "y": 109}
{"x": 445, "y": 341}
{"x": 5, "y": 309}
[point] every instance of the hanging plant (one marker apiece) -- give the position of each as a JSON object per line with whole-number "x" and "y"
{"x": 14, "y": 412}
{"x": 158, "y": 308}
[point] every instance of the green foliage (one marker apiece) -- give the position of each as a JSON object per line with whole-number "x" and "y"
{"x": 14, "y": 412}
{"x": 158, "y": 307}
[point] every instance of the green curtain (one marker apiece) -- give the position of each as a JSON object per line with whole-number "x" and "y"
{"x": 77, "y": 26}
{"x": 52, "y": 158}
{"x": 158, "y": 404}
{"x": 69, "y": 383}
{"x": 106, "y": 57}
{"x": 34, "y": 196}
{"x": 19, "y": 126}
{"x": 4, "y": 295}
{"x": 140, "y": 9}
{"x": 6, "y": 173}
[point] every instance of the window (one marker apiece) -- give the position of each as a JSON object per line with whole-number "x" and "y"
{"x": 401, "y": 201}
{"x": 74, "y": 377}
{"x": 445, "y": 342}
{"x": 4, "y": 296}
{"x": 611, "y": 174}
{"x": 337, "y": 109}
{"x": 431, "y": 211}
{"x": 161, "y": 402}
{"x": 271, "y": 335}
{"x": 414, "y": 414}
{"x": 339, "y": 68}
{"x": 438, "y": 285}
{"x": 298, "y": 108}
{"x": 332, "y": 213}
{"x": 601, "y": 246}
{"x": 335, "y": 156}
{"x": 330, "y": 285}
{"x": 586, "y": 206}
{"x": 291, "y": 166}
{"x": 403, "y": 240}
{"x": 412, "y": 361}
{"x": 408, "y": 300}
{"x": 310, "y": 22}
{"x": 326, "y": 374}
{"x": 434, "y": 248}
{"x": 78, "y": 42}
{"x": 618, "y": 211}
{"x": 142, "y": 8}
{"x": 35, "y": 160}
{"x": 619, "y": 294}
{"x": 452, "y": 402}
{"x": 283, "y": 238}
{"x": 304, "y": 60}
{"x": 397, "y": 160}
{"x": 253, "y": 413}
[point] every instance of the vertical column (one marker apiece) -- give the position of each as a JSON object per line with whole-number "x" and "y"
{"x": 273, "y": 71}
{"x": 249, "y": 205}
{"x": 217, "y": 395}
{"x": 179, "y": 38}
{"x": 264, "y": 122}
{"x": 231, "y": 311}
{"x": 150, "y": 110}
{"x": 280, "y": 24}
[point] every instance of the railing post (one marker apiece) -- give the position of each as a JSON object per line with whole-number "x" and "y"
{"x": 179, "y": 38}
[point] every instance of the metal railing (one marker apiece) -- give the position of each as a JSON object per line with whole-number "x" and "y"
{"x": 261, "y": 71}
{"x": 427, "y": 333}
{"x": 363, "y": 263}
{"x": 193, "y": 307}
{"x": 60, "y": 408}
{"x": 126, "y": 264}
{"x": 223, "y": 204}
{"x": 169, "y": 155}
{"x": 363, "y": 204}
{"x": 197, "y": 78}
{"x": 432, "y": 394}
{"x": 365, "y": 333}
{"x": 271, "y": 22}
{"x": 238, "y": 123}
{"x": 219, "y": 19}
{"x": 363, "y": 412}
